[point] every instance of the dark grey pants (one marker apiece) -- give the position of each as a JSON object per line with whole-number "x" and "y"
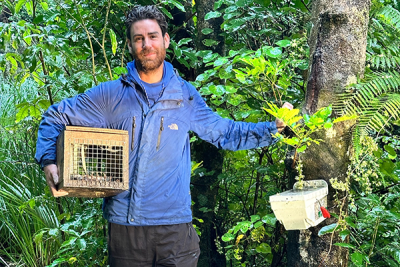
{"x": 162, "y": 245}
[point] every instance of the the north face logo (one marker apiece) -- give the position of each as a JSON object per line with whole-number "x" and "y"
{"x": 173, "y": 126}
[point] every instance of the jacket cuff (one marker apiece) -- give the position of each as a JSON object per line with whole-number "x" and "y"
{"x": 47, "y": 162}
{"x": 272, "y": 131}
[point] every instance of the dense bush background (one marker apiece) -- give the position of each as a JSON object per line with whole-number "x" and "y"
{"x": 241, "y": 55}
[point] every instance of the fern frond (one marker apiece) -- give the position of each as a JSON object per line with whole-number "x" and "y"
{"x": 376, "y": 117}
{"x": 392, "y": 250}
{"x": 390, "y": 16}
{"x": 375, "y": 84}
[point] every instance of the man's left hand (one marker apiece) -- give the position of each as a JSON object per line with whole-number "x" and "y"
{"x": 280, "y": 125}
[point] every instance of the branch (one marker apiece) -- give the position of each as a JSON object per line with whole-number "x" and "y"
{"x": 104, "y": 38}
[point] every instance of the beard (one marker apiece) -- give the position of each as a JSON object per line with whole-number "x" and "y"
{"x": 148, "y": 65}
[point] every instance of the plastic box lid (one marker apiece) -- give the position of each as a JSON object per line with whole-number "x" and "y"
{"x": 313, "y": 189}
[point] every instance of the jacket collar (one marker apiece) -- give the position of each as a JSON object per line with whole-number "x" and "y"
{"x": 172, "y": 96}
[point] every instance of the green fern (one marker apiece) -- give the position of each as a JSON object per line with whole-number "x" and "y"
{"x": 375, "y": 101}
{"x": 383, "y": 51}
{"x": 390, "y": 16}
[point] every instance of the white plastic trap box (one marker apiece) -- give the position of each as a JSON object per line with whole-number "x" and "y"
{"x": 301, "y": 208}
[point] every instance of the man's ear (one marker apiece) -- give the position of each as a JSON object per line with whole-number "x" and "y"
{"x": 129, "y": 46}
{"x": 166, "y": 40}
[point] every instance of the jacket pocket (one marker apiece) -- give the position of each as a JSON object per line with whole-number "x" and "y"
{"x": 133, "y": 132}
{"x": 159, "y": 133}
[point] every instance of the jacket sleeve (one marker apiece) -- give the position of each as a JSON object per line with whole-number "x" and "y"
{"x": 87, "y": 109}
{"x": 226, "y": 133}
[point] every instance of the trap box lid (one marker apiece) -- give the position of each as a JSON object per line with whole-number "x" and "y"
{"x": 313, "y": 189}
{"x": 95, "y": 130}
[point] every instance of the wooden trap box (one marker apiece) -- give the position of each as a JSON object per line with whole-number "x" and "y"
{"x": 93, "y": 162}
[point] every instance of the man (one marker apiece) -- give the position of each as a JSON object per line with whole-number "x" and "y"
{"x": 150, "y": 224}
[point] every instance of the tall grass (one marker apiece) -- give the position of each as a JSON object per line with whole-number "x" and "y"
{"x": 25, "y": 209}
{"x": 35, "y": 228}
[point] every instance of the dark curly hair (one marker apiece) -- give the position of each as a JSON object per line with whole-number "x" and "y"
{"x": 145, "y": 12}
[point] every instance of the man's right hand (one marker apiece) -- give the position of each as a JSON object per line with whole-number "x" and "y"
{"x": 51, "y": 173}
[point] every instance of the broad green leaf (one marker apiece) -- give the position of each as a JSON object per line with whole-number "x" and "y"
{"x": 224, "y": 113}
{"x": 294, "y": 141}
{"x": 184, "y": 41}
{"x": 217, "y": 90}
{"x": 220, "y": 61}
{"x": 205, "y": 91}
{"x": 327, "y": 229}
{"x": 166, "y": 12}
{"x": 258, "y": 224}
{"x": 392, "y": 153}
{"x": 178, "y": 5}
{"x": 303, "y": 65}
{"x": 269, "y": 219}
{"x": 54, "y": 232}
{"x": 207, "y": 31}
{"x": 343, "y": 234}
{"x": 378, "y": 153}
{"x": 230, "y": 89}
{"x": 29, "y": 7}
{"x": 234, "y": 100}
{"x": 81, "y": 243}
{"x": 120, "y": 70}
{"x": 210, "y": 57}
{"x": 357, "y": 258}
{"x": 244, "y": 226}
{"x": 18, "y": 6}
{"x": 69, "y": 242}
{"x": 254, "y": 218}
{"x": 14, "y": 65}
{"x": 263, "y": 248}
{"x": 274, "y": 52}
{"x": 212, "y": 15}
{"x": 114, "y": 43}
{"x": 328, "y": 125}
{"x": 302, "y": 148}
{"x": 44, "y": 5}
{"x": 227, "y": 237}
{"x": 210, "y": 42}
{"x": 283, "y": 43}
{"x": 23, "y": 111}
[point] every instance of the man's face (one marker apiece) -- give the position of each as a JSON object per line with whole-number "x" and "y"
{"x": 147, "y": 45}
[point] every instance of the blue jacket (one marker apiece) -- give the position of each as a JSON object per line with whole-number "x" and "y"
{"x": 159, "y": 160}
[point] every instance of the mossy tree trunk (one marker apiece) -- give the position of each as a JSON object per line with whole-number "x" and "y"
{"x": 337, "y": 58}
{"x": 205, "y": 188}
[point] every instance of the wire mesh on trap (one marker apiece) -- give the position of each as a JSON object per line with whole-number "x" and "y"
{"x": 93, "y": 162}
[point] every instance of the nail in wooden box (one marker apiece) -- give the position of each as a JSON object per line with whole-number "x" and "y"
{"x": 93, "y": 162}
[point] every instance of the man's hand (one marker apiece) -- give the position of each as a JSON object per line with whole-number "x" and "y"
{"x": 280, "y": 125}
{"x": 51, "y": 173}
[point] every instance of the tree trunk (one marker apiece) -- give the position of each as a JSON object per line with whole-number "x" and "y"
{"x": 212, "y": 158}
{"x": 337, "y": 49}
{"x": 202, "y": 8}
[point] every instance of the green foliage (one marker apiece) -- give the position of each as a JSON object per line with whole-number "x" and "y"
{"x": 85, "y": 237}
{"x": 52, "y": 50}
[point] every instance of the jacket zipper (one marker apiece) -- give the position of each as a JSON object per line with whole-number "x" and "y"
{"x": 133, "y": 132}
{"x": 159, "y": 133}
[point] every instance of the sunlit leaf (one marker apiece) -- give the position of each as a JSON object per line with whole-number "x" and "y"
{"x": 114, "y": 43}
